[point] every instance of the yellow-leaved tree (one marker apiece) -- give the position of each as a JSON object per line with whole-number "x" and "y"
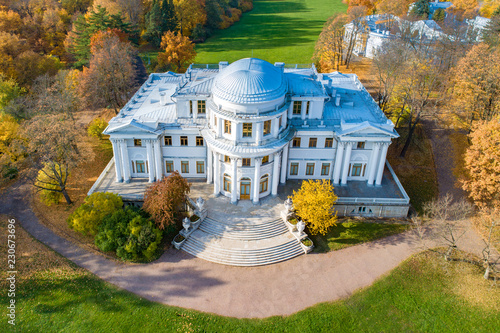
{"x": 179, "y": 52}
{"x": 313, "y": 203}
{"x": 482, "y": 164}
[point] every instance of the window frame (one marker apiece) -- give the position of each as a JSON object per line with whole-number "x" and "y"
{"x": 264, "y": 184}
{"x": 246, "y": 162}
{"x": 328, "y": 142}
{"x": 265, "y": 159}
{"x": 297, "y": 108}
{"x": 169, "y": 166}
{"x": 361, "y": 145}
{"x": 200, "y": 165}
{"x": 184, "y": 140}
{"x": 266, "y": 130}
{"x": 202, "y": 106}
{"x": 137, "y": 142}
{"x": 184, "y": 166}
{"x": 167, "y": 140}
{"x": 227, "y": 126}
{"x": 141, "y": 163}
{"x": 325, "y": 169}
{"x": 298, "y": 140}
{"x": 313, "y": 142}
{"x": 226, "y": 183}
{"x": 310, "y": 169}
{"x": 294, "y": 169}
{"x": 247, "y": 129}
{"x": 198, "y": 140}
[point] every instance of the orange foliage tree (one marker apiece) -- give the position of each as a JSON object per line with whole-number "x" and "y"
{"x": 482, "y": 164}
{"x": 179, "y": 52}
{"x": 163, "y": 200}
{"x": 476, "y": 93}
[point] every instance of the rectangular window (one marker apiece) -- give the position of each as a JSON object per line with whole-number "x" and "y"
{"x": 296, "y": 142}
{"x": 199, "y": 141}
{"x": 267, "y": 127}
{"x": 168, "y": 140}
{"x": 309, "y": 169}
{"x": 190, "y": 107}
{"x": 202, "y": 107}
{"x": 227, "y": 159}
{"x": 137, "y": 142}
{"x": 264, "y": 183}
{"x": 140, "y": 166}
{"x": 361, "y": 145}
{"x": 227, "y": 184}
{"x": 247, "y": 130}
{"x": 313, "y": 142}
{"x": 265, "y": 159}
{"x": 328, "y": 142}
{"x": 325, "y": 169}
{"x": 227, "y": 127}
{"x": 169, "y": 166}
{"x": 245, "y": 162}
{"x": 184, "y": 140}
{"x": 356, "y": 169}
{"x": 294, "y": 169}
{"x": 185, "y": 166}
{"x": 200, "y": 167}
{"x": 281, "y": 118}
{"x": 297, "y": 107}
{"x": 307, "y": 107}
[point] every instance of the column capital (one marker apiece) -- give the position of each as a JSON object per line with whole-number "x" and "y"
{"x": 233, "y": 159}
{"x": 258, "y": 159}
{"x": 277, "y": 154}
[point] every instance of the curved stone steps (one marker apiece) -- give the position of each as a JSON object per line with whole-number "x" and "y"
{"x": 244, "y": 231}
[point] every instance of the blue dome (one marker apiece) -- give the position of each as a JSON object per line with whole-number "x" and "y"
{"x": 249, "y": 80}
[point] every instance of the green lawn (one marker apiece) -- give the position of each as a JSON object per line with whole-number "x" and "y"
{"x": 273, "y": 31}
{"x": 350, "y": 233}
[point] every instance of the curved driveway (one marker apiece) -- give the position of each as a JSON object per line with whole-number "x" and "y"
{"x": 181, "y": 280}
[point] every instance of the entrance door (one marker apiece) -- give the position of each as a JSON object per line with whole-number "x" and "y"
{"x": 245, "y": 189}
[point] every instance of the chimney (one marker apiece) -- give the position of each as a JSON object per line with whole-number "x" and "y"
{"x": 337, "y": 100}
{"x": 222, "y": 65}
{"x": 280, "y": 65}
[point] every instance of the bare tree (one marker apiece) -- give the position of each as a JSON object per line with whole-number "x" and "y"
{"x": 355, "y": 34}
{"x": 491, "y": 220}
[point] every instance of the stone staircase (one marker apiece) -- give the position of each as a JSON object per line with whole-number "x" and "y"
{"x": 243, "y": 244}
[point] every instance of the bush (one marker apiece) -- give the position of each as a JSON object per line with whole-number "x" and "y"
{"x": 96, "y": 127}
{"x": 87, "y": 218}
{"x": 50, "y": 194}
{"x": 130, "y": 234}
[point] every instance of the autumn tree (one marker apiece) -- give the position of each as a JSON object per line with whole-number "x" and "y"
{"x": 356, "y": 33}
{"x": 464, "y": 9}
{"x": 54, "y": 142}
{"x": 395, "y": 7}
{"x": 476, "y": 92}
{"x": 179, "y": 52}
{"x": 164, "y": 199}
{"x": 189, "y": 13}
{"x": 491, "y": 34}
{"x": 109, "y": 79}
{"x": 313, "y": 203}
{"x": 489, "y": 8}
{"x": 481, "y": 164}
{"x": 329, "y": 48}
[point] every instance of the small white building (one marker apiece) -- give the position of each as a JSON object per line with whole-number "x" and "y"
{"x": 250, "y": 126}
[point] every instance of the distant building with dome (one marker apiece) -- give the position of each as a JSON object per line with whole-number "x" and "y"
{"x": 250, "y": 126}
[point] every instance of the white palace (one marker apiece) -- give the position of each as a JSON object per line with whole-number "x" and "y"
{"x": 249, "y": 126}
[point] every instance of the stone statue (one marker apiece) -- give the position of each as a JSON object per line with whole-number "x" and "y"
{"x": 300, "y": 227}
{"x": 288, "y": 204}
{"x": 186, "y": 223}
{"x": 200, "y": 203}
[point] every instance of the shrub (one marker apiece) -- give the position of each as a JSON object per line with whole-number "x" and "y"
{"x": 50, "y": 194}
{"x": 130, "y": 234}
{"x": 87, "y": 218}
{"x": 96, "y": 127}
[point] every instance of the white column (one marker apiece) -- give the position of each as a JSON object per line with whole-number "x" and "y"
{"x": 276, "y": 173}
{"x": 234, "y": 180}
{"x": 373, "y": 162}
{"x": 290, "y": 110}
{"x": 118, "y": 164}
{"x": 381, "y": 163}
{"x": 220, "y": 123}
{"x": 256, "y": 182}
{"x": 195, "y": 109}
{"x": 285, "y": 118}
{"x": 338, "y": 162}
{"x": 209, "y": 165}
{"x": 125, "y": 161}
{"x": 151, "y": 161}
{"x": 276, "y": 127}
{"x": 259, "y": 131}
{"x": 235, "y": 131}
{"x": 284, "y": 164}
{"x": 303, "y": 110}
{"x": 159, "y": 159}
{"x": 347, "y": 161}
{"x": 217, "y": 175}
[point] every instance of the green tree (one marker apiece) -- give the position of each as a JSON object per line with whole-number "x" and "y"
{"x": 439, "y": 15}
{"x": 421, "y": 9}
{"x": 160, "y": 19}
{"x": 87, "y": 218}
{"x": 96, "y": 127}
{"x": 163, "y": 200}
{"x": 313, "y": 203}
{"x": 130, "y": 234}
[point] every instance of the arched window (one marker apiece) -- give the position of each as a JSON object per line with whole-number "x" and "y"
{"x": 227, "y": 183}
{"x": 264, "y": 182}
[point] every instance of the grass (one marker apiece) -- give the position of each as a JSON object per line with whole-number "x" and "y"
{"x": 349, "y": 232}
{"x": 274, "y": 31}
{"x": 424, "y": 294}
{"x": 416, "y": 170}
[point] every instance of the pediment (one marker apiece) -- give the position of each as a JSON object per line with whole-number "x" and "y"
{"x": 367, "y": 129}
{"x": 130, "y": 127}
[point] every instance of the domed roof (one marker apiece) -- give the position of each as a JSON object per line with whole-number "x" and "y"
{"x": 249, "y": 80}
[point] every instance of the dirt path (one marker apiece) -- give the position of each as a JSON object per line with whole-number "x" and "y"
{"x": 181, "y": 280}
